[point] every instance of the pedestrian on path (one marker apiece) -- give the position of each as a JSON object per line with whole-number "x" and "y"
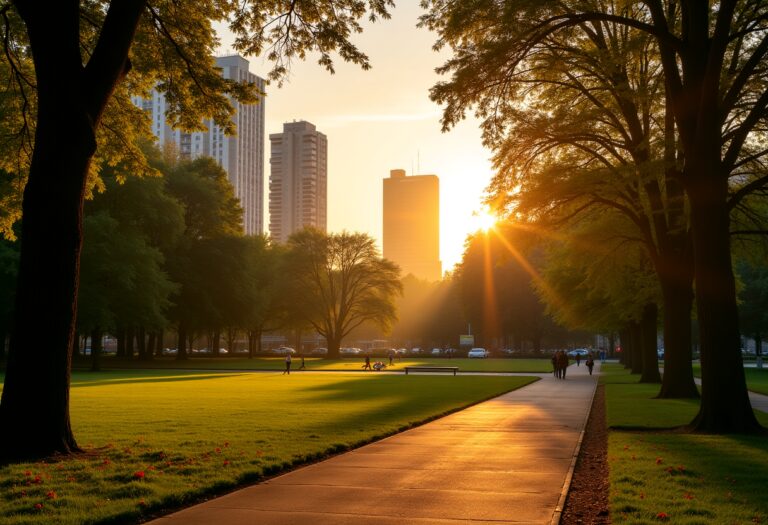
{"x": 556, "y": 364}
{"x": 590, "y": 363}
{"x": 302, "y": 367}
{"x": 391, "y": 355}
{"x": 287, "y": 364}
{"x": 367, "y": 365}
{"x": 578, "y": 359}
{"x": 563, "y": 364}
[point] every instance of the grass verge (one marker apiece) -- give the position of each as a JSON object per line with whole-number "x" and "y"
{"x": 673, "y": 477}
{"x": 757, "y": 378}
{"x": 159, "y": 440}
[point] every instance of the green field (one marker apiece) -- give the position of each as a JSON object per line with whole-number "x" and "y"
{"x": 675, "y": 477}
{"x": 315, "y": 363}
{"x": 757, "y": 379}
{"x": 162, "y": 439}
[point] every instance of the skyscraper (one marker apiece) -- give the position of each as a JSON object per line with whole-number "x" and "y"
{"x": 412, "y": 224}
{"x": 241, "y": 155}
{"x": 298, "y": 181}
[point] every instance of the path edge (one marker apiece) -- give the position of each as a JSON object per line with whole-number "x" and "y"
{"x": 557, "y": 514}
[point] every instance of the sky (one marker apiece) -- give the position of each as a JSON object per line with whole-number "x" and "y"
{"x": 382, "y": 119}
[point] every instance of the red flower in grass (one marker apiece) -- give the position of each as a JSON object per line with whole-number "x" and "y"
{"x": 139, "y": 474}
{"x": 642, "y": 495}
{"x": 669, "y": 469}
{"x": 142, "y": 503}
{"x": 688, "y": 496}
{"x": 681, "y": 468}
{"x": 51, "y": 494}
{"x": 226, "y": 462}
{"x": 106, "y": 462}
{"x": 38, "y": 506}
{"x": 218, "y": 450}
{"x": 226, "y": 444}
{"x": 27, "y": 473}
{"x": 662, "y": 516}
{"x": 37, "y": 480}
{"x": 659, "y": 461}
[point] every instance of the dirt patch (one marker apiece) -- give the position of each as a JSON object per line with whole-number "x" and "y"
{"x": 587, "y": 501}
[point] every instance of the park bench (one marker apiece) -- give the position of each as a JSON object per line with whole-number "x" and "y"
{"x": 453, "y": 369}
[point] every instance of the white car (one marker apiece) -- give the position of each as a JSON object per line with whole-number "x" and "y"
{"x": 478, "y": 352}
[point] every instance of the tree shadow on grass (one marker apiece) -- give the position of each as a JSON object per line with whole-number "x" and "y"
{"x": 146, "y": 380}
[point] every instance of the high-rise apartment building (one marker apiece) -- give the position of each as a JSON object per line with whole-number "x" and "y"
{"x": 412, "y": 224}
{"x": 241, "y": 155}
{"x": 298, "y": 181}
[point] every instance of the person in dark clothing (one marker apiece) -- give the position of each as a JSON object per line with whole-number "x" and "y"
{"x": 287, "y": 364}
{"x": 367, "y": 365}
{"x": 590, "y": 363}
{"x": 578, "y": 359}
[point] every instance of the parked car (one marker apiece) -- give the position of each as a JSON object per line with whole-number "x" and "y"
{"x": 437, "y": 351}
{"x": 319, "y": 351}
{"x": 170, "y": 351}
{"x": 401, "y": 351}
{"x": 481, "y": 353}
{"x": 284, "y": 350}
{"x": 350, "y": 351}
{"x": 416, "y": 350}
{"x": 578, "y": 351}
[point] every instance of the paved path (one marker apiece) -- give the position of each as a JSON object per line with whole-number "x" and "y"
{"x": 506, "y": 460}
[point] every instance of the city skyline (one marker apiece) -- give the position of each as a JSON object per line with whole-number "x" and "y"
{"x": 241, "y": 155}
{"x": 382, "y": 118}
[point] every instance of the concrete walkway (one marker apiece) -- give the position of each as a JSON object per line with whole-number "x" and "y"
{"x": 507, "y": 460}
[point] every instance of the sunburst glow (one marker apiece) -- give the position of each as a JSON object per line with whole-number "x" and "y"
{"x": 483, "y": 220}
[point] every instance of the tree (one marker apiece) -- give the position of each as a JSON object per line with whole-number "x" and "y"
{"x": 83, "y": 55}
{"x": 339, "y": 282}
{"x": 212, "y": 223}
{"x": 123, "y": 282}
{"x": 712, "y": 56}
{"x": 582, "y": 125}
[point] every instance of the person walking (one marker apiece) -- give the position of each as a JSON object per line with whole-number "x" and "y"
{"x": 302, "y": 367}
{"x": 578, "y": 359}
{"x": 563, "y": 364}
{"x": 555, "y": 363}
{"x": 367, "y": 365}
{"x": 590, "y": 363}
{"x": 287, "y": 364}
{"x": 391, "y": 355}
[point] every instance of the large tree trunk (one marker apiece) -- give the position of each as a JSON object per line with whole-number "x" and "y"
{"x": 334, "y": 345}
{"x": 149, "y": 351}
{"x": 648, "y": 333}
{"x": 3, "y": 337}
{"x": 725, "y": 405}
{"x": 636, "y": 353}
{"x": 34, "y": 411}
{"x": 677, "y": 381}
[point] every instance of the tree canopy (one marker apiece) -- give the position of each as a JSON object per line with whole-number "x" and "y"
{"x": 339, "y": 282}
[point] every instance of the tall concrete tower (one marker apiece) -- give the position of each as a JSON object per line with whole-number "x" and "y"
{"x": 241, "y": 155}
{"x": 298, "y": 181}
{"x": 412, "y": 224}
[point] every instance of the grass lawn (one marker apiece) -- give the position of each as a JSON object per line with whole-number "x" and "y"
{"x": 314, "y": 363}
{"x": 678, "y": 478}
{"x": 159, "y": 439}
{"x": 757, "y": 378}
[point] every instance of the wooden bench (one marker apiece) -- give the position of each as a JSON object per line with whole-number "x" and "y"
{"x": 453, "y": 369}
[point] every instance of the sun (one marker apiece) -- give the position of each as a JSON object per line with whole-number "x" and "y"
{"x": 483, "y": 220}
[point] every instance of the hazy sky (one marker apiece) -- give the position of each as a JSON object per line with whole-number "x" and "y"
{"x": 382, "y": 119}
